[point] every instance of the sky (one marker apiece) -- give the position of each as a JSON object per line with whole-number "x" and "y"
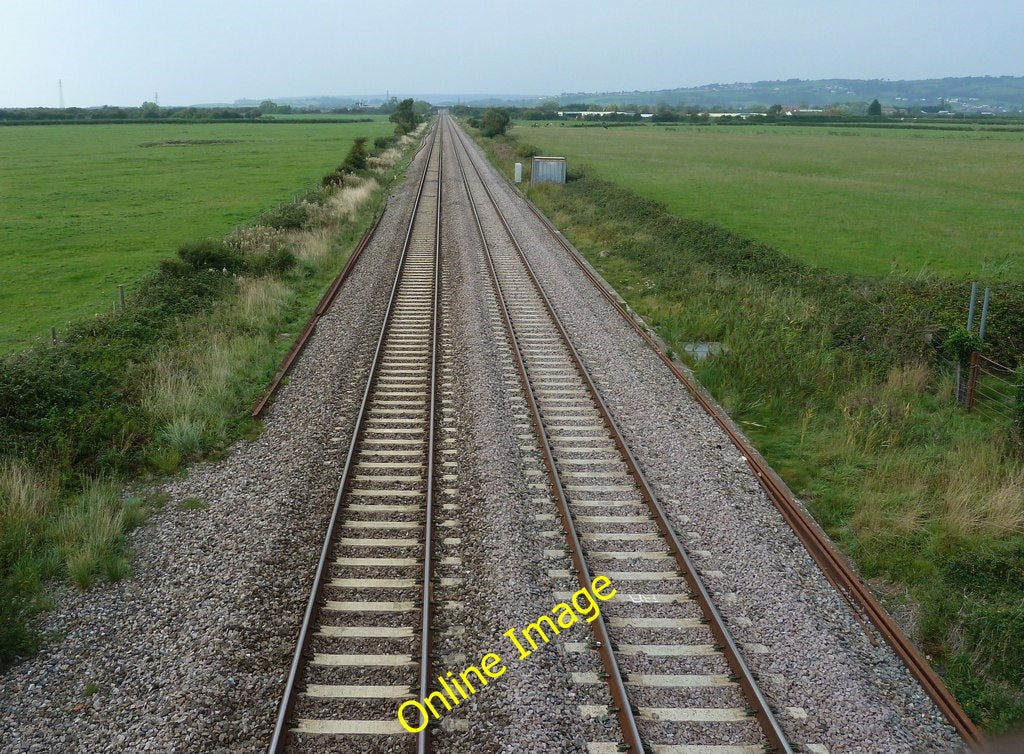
{"x": 203, "y": 51}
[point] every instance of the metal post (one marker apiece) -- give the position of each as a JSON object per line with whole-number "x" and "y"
{"x": 53, "y": 334}
{"x": 120, "y": 295}
{"x": 974, "y": 302}
{"x": 984, "y": 313}
{"x": 972, "y": 380}
{"x": 961, "y": 393}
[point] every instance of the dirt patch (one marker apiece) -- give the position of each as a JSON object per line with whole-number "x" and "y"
{"x": 188, "y": 142}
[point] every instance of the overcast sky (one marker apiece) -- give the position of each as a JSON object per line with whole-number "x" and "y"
{"x": 198, "y": 51}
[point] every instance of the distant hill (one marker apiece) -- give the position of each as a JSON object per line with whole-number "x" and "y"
{"x": 976, "y": 94}
{"x": 972, "y": 94}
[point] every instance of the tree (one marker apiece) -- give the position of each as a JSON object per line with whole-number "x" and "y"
{"x": 495, "y": 122}
{"x": 775, "y": 111}
{"x": 404, "y": 117}
{"x": 875, "y": 108}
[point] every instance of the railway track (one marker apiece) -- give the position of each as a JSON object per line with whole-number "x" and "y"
{"x": 661, "y": 652}
{"x": 614, "y": 526}
{"x": 364, "y": 645}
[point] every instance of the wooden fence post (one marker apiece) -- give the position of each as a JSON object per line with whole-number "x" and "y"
{"x": 972, "y": 380}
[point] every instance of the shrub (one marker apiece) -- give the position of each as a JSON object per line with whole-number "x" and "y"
{"x": 175, "y": 267}
{"x": 383, "y": 142}
{"x": 355, "y": 160}
{"x": 495, "y": 121}
{"x": 526, "y": 151}
{"x": 960, "y": 344}
{"x": 335, "y": 178}
{"x": 212, "y": 254}
{"x": 277, "y": 262}
{"x": 1018, "y": 412}
{"x": 286, "y": 217}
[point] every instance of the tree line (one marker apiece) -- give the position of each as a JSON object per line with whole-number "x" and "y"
{"x": 153, "y": 111}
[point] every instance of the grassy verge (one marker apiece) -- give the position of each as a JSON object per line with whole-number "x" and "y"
{"x": 168, "y": 380}
{"x": 837, "y": 381}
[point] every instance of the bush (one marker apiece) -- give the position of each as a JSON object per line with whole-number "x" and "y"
{"x": 355, "y": 160}
{"x": 383, "y": 142}
{"x": 495, "y": 122}
{"x": 211, "y": 254}
{"x": 1018, "y": 413}
{"x": 335, "y": 178}
{"x": 175, "y": 268}
{"x": 527, "y": 151}
{"x": 276, "y": 262}
{"x": 286, "y": 217}
{"x": 960, "y": 344}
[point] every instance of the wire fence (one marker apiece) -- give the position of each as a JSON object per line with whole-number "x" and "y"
{"x": 992, "y": 389}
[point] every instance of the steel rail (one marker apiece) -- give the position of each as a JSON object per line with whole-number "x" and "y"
{"x": 295, "y": 673}
{"x": 833, "y": 564}
{"x": 623, "y": 709}
{"x": 422, "y": 738}
{"x": 762, "y": 710}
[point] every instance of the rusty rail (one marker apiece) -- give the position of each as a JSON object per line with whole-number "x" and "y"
{"x": 832, "y": 563}
{"x": 325, "y": 303}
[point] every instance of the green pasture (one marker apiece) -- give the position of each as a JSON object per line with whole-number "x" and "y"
{"x": 86, "y": 208}
{"x": 867, "y": 201}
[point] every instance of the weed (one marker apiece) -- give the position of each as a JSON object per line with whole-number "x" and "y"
{"x": 90, "y": 689}
{"x": 182, "y": 434}
{"x": 88, "y": 531}
{"x": 194, "y": 504}
{"x": 164, "y": 460}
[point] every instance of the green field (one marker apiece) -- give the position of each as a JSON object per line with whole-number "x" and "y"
{"x": 85, "y": 208}
{"x": 860, "y": 200}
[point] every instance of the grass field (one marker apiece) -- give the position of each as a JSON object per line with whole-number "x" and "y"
{"x": 859, "y": 200}
{"x": 85, "y": 208}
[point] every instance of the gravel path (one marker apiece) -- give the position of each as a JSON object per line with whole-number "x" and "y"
{"x": 813, "y": 659}
{"x": 190, "y": 654}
